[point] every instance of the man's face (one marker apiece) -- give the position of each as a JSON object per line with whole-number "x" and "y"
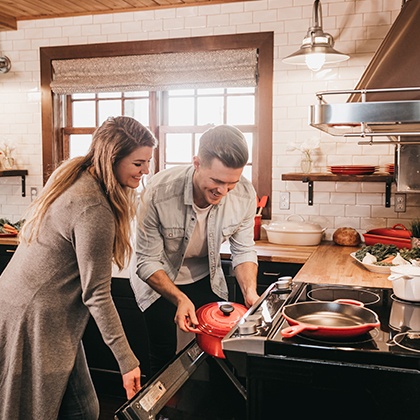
{"x": 211, "y": 183}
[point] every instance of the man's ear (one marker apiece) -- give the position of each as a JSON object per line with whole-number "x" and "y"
{"x": 196, "y": 162}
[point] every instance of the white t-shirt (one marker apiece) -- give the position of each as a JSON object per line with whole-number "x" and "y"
{"x": 196, "y": 261}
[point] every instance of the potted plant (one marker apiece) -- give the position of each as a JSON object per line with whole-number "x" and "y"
{"x": 415, "y": 233}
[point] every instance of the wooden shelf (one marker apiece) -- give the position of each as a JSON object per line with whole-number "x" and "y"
{"x": 387, "y": 178}
{"x": 17, "y": 172}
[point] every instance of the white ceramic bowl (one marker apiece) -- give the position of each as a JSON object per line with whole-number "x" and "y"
{"x": 291, "y": 232}
{"x": 406, "y": 282}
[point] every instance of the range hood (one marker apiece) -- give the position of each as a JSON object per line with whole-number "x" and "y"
{"x": 386, "y": 100}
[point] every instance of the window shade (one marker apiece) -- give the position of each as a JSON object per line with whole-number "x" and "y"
{"x": 221, "y": 68}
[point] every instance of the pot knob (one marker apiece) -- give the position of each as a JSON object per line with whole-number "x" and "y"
{"x": 226, "y": 309}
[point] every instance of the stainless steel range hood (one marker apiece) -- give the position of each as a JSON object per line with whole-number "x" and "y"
{"x": 386, "y": 101}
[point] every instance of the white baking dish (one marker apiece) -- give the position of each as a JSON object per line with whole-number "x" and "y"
{"x": 291, "y": 232}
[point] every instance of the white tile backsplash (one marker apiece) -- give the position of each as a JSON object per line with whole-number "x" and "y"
{"x": 358, "y": 28}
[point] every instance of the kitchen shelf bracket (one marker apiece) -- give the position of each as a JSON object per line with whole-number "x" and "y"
{"x": 17, "y": 172}
{"x": 310, "y": 178}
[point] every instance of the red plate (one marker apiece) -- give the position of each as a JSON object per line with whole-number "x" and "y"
{"x": 352, "y": 171}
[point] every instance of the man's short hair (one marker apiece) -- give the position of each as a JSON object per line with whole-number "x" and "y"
{"x": 226, "y": 143}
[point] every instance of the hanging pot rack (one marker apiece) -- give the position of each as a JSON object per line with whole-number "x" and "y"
{"x": 359, "y": 117}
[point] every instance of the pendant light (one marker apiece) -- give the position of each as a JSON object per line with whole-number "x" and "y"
{"x": 317, "y": 47}
{"x": 5, "y": 64}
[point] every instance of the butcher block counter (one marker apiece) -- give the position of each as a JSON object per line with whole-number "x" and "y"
{"x": 326, "y": 263}
{"x": 332, "y": 264}
{"x": 5, "y": 240}
{"x": 270, "y": 252}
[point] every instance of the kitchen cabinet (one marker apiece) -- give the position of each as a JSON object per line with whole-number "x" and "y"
{"x": 102, "y": 364}
{"x": 6, "y": 253}
{"x": 312, "y": 177}
{"x": 17, "y": 172}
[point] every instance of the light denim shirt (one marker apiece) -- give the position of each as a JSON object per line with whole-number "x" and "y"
{"x": 167, "y": 223}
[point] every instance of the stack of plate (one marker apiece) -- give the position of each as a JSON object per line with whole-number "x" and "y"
{"x": 389, "y": 167}
{"x": 352, "y": 169}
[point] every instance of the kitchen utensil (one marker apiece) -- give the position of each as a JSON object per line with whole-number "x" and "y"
{"x": 262, "y": 203}
{"x": 291, "y": 232}
{"x": 257, "y": 227}
{"x": 406, "y": 282}
{"x": 398, "y": 235}
{"x": 216, "y": 319}
{"x": 341, "y": 318}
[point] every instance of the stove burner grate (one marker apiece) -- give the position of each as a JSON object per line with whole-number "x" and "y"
{"x": 330, "y": 294}
{"x": 410, "y": 302}
{"x": 363, "y": 339}
{"x": 408, "y": 340}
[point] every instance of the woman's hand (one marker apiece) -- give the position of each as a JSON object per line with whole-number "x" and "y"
{"x": 131, "y": 382}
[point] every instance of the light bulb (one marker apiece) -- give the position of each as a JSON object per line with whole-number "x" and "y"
{"x": 315, "y": 61}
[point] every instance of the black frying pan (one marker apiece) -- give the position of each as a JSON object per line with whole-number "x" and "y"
{"x": 341, "y": 318}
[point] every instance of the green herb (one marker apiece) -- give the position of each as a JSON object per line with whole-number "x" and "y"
{"x": 381, "y": 251}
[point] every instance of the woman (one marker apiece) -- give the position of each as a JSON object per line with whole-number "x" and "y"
{"x": 61, "y": 273}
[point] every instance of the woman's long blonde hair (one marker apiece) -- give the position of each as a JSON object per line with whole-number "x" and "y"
{"x": 115, "y": 139}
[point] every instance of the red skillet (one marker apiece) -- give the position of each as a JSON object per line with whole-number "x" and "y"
{"x": 341, "y": 318}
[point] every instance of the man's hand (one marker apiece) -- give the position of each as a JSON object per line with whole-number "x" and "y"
{"x": 131, "y": 382}
{"x": 185, "y": 314}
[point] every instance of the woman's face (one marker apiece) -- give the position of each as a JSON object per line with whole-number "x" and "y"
{"x": 130, "y": 169}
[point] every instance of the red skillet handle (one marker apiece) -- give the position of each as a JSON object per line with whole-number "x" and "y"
{"x": 296, "y": 329}
{"x": 350, "y": 302}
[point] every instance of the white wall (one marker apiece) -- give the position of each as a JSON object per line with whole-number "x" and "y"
{"x": 358, "y": 27}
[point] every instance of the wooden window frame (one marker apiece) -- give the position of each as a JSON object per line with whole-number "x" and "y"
{"x": 52, "y": 109}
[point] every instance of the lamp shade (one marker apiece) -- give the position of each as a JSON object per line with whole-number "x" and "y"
{"x": 317, "y": 47}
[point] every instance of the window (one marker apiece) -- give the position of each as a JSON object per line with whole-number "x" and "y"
{"x": 185, "y": 115}
{"x": 173, "y": 115}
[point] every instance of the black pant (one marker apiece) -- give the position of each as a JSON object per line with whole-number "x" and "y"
{"x": 160, "y": 323}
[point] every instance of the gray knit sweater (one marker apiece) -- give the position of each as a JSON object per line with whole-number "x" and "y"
{"x": 46, "y": 294}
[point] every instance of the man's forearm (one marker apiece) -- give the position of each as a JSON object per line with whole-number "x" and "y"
{"x": 161, "y": 283}
{"x": 246, "y": 275}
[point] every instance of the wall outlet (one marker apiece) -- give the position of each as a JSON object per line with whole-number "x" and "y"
{"x": 284, "y": 201}
{"x": 34, "y": 193}
{"x": 400, "y": 202}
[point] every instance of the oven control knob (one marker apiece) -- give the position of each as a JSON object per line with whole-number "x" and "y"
{"x": 247, "y": 328}
{"x": 283, "y": 282}
{"x": 257, "y": 319}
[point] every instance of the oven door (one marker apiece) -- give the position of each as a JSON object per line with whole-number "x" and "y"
{"x": 193, "y": 386}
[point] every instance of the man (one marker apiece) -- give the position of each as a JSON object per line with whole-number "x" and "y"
{"x": 185, "y": 216}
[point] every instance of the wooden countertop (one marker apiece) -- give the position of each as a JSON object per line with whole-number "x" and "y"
{"x": 326, "y": 263}
{"x": 268, "y": 251}
{"x": 332, "y": 264}
{"x": 9, "y": 241}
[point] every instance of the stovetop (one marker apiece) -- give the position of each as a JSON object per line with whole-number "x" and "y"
{"x": 395, "y": 344}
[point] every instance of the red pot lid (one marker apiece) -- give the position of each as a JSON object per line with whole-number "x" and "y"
{"x": 397, "y": 231}
{"x": 218, "y": 318}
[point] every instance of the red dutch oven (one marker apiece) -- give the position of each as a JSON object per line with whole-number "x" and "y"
{"x": 216, "y": 319}
{"x": 398, "y": 235}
